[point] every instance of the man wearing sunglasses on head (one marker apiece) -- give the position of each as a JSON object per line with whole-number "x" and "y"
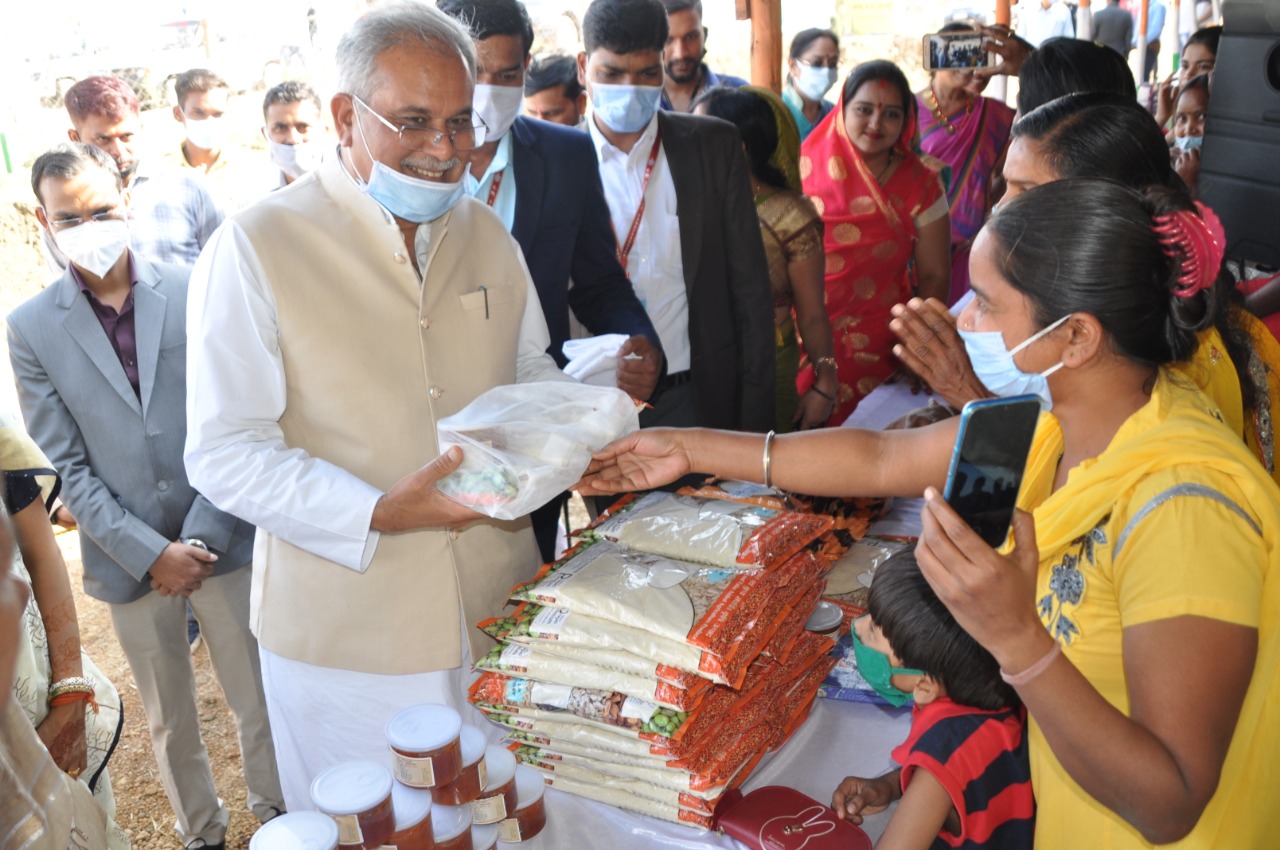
{"x": 332, "y": 324}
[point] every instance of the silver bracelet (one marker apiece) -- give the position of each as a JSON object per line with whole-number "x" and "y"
{"x": 768, "y": 460}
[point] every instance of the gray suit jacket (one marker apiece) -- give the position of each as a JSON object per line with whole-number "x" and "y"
{"x": 120, "y": 457}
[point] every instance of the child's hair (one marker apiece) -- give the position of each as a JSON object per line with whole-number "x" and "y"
{"x": 925, "y": 636}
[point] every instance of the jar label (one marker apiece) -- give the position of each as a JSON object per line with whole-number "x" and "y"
{"x": 482, "y": 772}
{"x": 416, "y": 773}
{"x": 509, "y": 831}
{"x": 489, "y": 809}
{"x": 349, "y": 831}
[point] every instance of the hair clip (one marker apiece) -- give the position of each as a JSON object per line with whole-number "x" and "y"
{"x": 1197, "y": 242}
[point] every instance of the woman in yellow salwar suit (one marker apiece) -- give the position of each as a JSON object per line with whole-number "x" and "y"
{"x": 1137, "y": 609}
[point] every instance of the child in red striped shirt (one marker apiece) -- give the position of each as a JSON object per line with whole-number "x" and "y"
{"x": 964, "y": 780}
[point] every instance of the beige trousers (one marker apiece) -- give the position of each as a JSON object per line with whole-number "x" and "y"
{"x": 153, "y": 633}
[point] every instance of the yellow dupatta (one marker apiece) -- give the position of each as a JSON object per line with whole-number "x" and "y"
{"x": 1181, "y": 427}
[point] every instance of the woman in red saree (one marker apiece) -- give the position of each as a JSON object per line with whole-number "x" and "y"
{"x": 970, "y": 133}
{"x": 887, "y": 236}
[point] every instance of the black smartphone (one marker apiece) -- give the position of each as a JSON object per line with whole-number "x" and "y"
{"x": 948, "y": 51}
{"x": 988, "y": 462}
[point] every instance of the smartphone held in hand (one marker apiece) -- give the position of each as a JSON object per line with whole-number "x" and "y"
{"x": 950, "y": 51}
{"x": 988, "y": 462}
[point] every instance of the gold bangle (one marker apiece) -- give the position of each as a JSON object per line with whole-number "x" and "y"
{"x": 825, "y": 361}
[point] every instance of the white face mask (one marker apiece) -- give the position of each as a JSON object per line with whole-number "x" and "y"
{"x": 498, "y": 107}
{"x": 209, "y": 134}
{"x": 813, "y": 82}
{"x": 94, "y": 246}
{"x": 295, "y": 160}
{"x": 994, "y": 365}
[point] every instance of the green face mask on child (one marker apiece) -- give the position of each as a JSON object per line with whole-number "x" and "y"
{"x": 874, "y": 666}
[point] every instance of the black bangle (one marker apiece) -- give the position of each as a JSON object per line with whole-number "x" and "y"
{"x": 819, "y": 391}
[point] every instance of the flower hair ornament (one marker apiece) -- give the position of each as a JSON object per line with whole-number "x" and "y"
{"x": 1197, "y": 242}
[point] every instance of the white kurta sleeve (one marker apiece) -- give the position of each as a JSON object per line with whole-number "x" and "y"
{"x": 236, "y": 454}
{"x": 533, "y": 363}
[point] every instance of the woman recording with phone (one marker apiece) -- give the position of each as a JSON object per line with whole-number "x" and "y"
{"x": 969, "y": 132}
{"x": 1131, "y": 742}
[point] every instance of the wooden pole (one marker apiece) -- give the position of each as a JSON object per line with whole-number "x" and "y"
{"x": 1004, "y": 12}
{"x": 1143, "y": 9}
{"x": 766, "y": 43}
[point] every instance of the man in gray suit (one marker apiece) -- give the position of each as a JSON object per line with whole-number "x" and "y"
{"x": 100, "y": 362}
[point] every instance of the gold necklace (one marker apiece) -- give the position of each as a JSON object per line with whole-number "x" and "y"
{"x": 941, "y": 116}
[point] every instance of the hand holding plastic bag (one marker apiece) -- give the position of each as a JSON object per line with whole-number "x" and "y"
{"x": 525, "y": 443}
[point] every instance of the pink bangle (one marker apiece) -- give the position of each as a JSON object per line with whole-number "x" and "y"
{"x": 1034, "y": 670}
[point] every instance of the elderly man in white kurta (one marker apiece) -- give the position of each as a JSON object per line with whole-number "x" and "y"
{"x": 331, "y": 325}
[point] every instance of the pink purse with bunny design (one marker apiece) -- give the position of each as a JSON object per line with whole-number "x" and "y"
{"x": 780, "y": 818}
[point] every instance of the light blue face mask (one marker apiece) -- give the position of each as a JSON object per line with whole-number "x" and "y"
{"x": 1188, "y": 143}
{"x": 626, "y": 109}
{"x": 814, "y": 83}
{"x": 409, "y": 198}
{"x": 994, "y": 366}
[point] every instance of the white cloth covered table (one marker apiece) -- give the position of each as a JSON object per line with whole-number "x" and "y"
{"x": 839, "y": 739}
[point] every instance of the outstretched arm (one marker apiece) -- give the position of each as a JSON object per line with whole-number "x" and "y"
{"x": 829, "y": 462}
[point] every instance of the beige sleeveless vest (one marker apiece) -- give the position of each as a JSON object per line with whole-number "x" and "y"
{"x": 372, "y": 358}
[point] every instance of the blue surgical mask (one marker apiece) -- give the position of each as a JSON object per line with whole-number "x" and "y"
{"x": 878, "y": 670}
{"x": 813, "y": 82}
{"x": 1188, "y": 143}
{"x": 994, "y": 366}
{"x": 625, "y": 109}
{"x": 409, "y": 198}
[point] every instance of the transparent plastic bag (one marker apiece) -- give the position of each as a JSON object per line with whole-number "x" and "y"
{"x": 523, "y": 444}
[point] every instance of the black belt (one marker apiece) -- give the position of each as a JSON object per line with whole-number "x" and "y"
{"x": 679, "y": 378}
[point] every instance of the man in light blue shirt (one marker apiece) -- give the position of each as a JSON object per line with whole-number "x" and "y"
{"x": 1155, "y": 26}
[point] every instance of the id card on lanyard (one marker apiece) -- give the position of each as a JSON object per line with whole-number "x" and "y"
{"x": 624, "y": 249}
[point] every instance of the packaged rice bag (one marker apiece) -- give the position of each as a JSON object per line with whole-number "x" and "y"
{"x": 583, "y": 751}
{"x": 522, "y": 661}
{"x": 569, "y": 732}
{"x": 606, "y": 708}
{"x": 792, "y": 623}
{"x": 623, "y": 798}
{"x": 670, "y": 779}
{"x": 718, "y": 533}
{"x": 728, "y": 614}
{"x": 555, "y": 631}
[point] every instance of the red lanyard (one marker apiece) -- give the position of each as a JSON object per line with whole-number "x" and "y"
{"x": 624, "y": 250}
{"x": 495, "y": 186}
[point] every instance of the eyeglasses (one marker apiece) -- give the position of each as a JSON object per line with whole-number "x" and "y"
{"x": 61, "y": 224}
{"x": 833, "y": 62}
{"x": 463, "y": 137}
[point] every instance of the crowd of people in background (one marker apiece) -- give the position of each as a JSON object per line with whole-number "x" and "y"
{"x": 237, "y": 345}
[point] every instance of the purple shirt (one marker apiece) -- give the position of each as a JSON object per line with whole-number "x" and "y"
{"x": 118, "y": 326}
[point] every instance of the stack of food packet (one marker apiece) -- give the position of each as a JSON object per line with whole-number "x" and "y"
{"x": 654, "y": 665}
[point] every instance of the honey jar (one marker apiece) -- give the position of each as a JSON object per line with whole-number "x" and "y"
{"x": 296, "y": 831}
{"x": 425, "y": 750}
{"x": 413, "y": 819}
{"x": 498, "y": 799}
{"x": 470, "y": 782}
{"x": 357, "y": 795}
{"x": 484, "y": 836}
{"x": 531, "y": 810}
{"x": 451, "y": 827}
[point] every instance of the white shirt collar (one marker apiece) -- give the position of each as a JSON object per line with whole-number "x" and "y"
{"x": 605, "y": 147}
